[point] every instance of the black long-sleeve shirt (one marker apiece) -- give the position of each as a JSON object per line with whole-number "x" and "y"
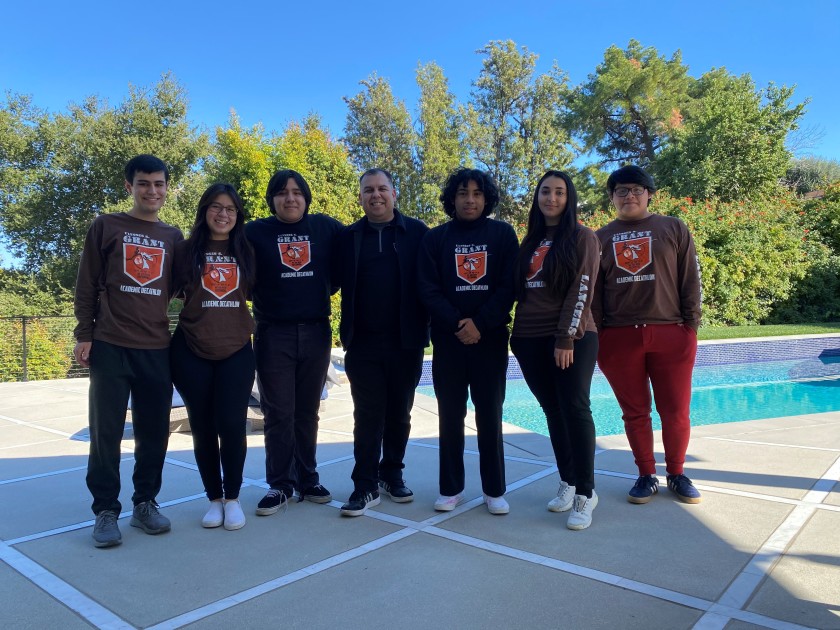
{"x": 295, "y": 270}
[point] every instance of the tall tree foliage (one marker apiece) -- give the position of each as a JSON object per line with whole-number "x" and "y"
{"x": 439, "y": 139}
{"x": 379, "y": 134}
{"x": 514, "y": 122}
{"x": 629, "y": 107}
{"x": 733, "y": 144}
{"x": 57, "y": 172}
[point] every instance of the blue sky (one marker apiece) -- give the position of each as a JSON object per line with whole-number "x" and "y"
{"x": 275, "y": 63}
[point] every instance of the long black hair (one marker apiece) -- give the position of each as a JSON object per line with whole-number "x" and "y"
{"x": 561, "y": 261}
{"x": 200, "y": 235}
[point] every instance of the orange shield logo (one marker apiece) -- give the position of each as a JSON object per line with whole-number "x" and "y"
{"x": 295, "y": 255}
{"x": 471, "y": 267}
{"x": 220, "y": 279}
{"x": 537, "y": 261}
{"x": 633, "y": 255}
{"x": 143, "y": 264}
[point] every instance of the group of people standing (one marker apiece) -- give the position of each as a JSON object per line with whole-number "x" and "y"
{"x": 628, "y": 296}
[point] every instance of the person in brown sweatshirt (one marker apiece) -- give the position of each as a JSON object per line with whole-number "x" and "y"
{"x": 554, "y": 338}
{"x": 122, "y": 296}
{"x": 212, "y": 357}
{"x": 647, "y": 309}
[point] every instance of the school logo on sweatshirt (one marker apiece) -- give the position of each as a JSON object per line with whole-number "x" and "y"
{"x": 632, "y": 255}
{"x": 471, "y": 267}
{"x": 143, "y": 263}
{"x": 220, "y": 279}
{"x": 295, "y": 254}
{"x": 537, "y": 259}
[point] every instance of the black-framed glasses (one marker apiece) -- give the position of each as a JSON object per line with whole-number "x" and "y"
{"x": 636, "y": 191}
{"x": 217, "y": 208}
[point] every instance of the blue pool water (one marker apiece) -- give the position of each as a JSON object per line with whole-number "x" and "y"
{"x": 721, "y": 393}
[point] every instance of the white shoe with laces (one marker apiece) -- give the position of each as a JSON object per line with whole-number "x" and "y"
{"x": 581, "y": 516}
{"x": 564, "y": 499}
{"x": 496, "y": 505}
{"x": 234, "y": 516}
{"x": 215, "y": 515}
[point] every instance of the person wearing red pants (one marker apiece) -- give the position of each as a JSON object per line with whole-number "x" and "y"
{"x": 647, "y": 309}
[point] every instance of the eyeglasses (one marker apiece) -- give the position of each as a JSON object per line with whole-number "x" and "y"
{"x": 217, "y": 208}
{"x": 636, "y": 191}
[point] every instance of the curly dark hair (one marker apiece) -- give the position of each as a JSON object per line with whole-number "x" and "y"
{"x": 460, "y": 178}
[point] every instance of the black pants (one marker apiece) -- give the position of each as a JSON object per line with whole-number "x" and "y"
{"x": 564, "y": 398}
{"x": 382, "y": 384}
{"x": 216, "y": 395}
{"x": 292, "y": 362}
{"x": 116, "y": 372}
{"x": 480, "y": 369}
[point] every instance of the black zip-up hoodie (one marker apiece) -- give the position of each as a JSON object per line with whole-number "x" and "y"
{"x": 414, "y": 319}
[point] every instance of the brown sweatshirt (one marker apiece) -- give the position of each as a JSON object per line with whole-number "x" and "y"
{"x": 215, "y": 319}
{"x": 123, "y": 285}
{"x": 649, "y": 274}
{"x": 567, "y": 317}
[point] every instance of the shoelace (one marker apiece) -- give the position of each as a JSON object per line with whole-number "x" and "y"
{"x": 149, "y": 508}
{"x": 278, "y": 493}
{"x": 107, "y": 518}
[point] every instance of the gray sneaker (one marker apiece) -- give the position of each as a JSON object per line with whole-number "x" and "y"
{"x": 106, "y": 532}
{"x": 147, "y": 518}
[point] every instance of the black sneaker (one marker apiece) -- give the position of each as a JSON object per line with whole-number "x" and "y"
{"x": 106, "y": 532}
{"x": 683, "y": 488}
{"x": 147, "y": 518}
{"x": 359, "y": 502}
{"x": 398, "y": 491}
{"x": 271, "y": 502}
{"x": 316, "y": 494}
{"x": 644, "y": 489}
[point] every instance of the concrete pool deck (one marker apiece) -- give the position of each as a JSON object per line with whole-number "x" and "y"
{"x": 761, "y": 550}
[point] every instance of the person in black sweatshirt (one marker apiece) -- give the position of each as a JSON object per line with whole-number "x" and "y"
{"x": 294, "y": 280}
{"x": 384, "y": 328}
{"x": 465, "y": 279}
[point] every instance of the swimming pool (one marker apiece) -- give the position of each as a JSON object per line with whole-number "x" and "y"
{"x": 721, "y": 393}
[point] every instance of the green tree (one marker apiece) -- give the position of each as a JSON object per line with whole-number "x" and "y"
{"x": 733, "y": 144}
{"x": 440, "y": 145}
{"x": 514, "y": 123}
{"x": 309, "y": 149}
{"x": 378, "y": 133}
{"x": 628, "y": 108}
{"x": 244, "y": 159}
{"x": 57, "y": 172}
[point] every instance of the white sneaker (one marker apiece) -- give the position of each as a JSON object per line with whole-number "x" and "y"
{"x": 215, "y": 515}
{"x": 447, "y": 504}
{"x": 234, "y": 516}
{"x": 581, "y": 516}
{"x": 496, "y": 505}
{"x": 564, "y": 499}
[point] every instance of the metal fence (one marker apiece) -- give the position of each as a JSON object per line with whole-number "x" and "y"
{"x": 41, "y": 348}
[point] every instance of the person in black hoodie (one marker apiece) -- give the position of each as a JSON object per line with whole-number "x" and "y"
{"x": 295, "y": 262}
{"x": 384, "y": 328}
{"x": 466, "y": 280}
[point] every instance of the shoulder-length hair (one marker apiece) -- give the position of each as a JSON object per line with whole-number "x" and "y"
{"x": 238, "y": 247}
{"x": 561, "y": 260}
{"x": 460, "y": 177}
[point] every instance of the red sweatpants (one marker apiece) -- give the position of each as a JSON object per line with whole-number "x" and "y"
{"x": 634, "y": 358}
